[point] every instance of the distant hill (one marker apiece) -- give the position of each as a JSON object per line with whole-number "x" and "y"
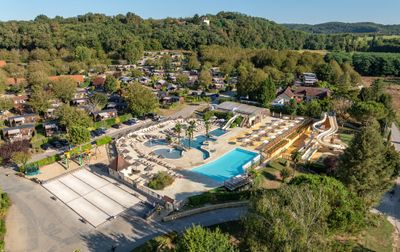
{"x": 339, "y": 27}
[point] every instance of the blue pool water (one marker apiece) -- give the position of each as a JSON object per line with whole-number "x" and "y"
{"x": 218, "y": 132}
{"x": 197, "y": 143}
{"x": 152, "y": 143}
{"x": 169, "y": 153}
{"x": 227, "y": 166}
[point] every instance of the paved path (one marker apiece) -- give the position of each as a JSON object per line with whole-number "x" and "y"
{"x": 390, "y": 204}
{"x": 37, "y": 223}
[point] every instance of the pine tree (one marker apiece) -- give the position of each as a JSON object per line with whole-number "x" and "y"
{"x": 364, "y": 167}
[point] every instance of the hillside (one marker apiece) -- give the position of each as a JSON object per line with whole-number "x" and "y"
{"x": 340, "y": 27}
{"x": 120, "y": 33}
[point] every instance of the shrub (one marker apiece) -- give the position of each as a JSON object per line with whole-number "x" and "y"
{"x": 160, "y": 181}
{"x": 103, "y": 141}
{"x": 45, "y": 161}
{"x": 124, "y": 118}
{"x": 215, "y": 197}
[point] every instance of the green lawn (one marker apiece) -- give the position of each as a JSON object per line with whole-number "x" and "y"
{"x": 346, "y": 138}
{"x": 378, "y": 237}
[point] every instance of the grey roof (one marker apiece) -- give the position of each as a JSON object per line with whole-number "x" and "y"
{"x": 25, "y": 126}
{"x": 241, "y": 108}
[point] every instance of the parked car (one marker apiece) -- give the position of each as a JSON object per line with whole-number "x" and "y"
{"x": 117, "y": 126}
{"x": 46, "y": 146}
{"x": 130, "y": 122}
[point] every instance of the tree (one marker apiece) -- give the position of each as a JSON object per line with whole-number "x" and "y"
{"x": 193, "y": 62}
{"x": 347, "y": 212}
{"x": 6, "y": 103}
{"x": 98, "y": 101}
{"x": 111, "y": 84}
{"x": 70, "y": 116}
{"x": 82, "y": 54}
{"x": 40, "y": 100}
{"x": 78, "y": 135}
{"x": 365, "y": 111}
{"x": 267, "y": 92}
{"x": 141, "y": 100}
{"x": 7, "y": 150}
{"x": 207, "y": 125}
{"x": 292, "y": 218}
{"x": 190, "y": 131}
{"x": 286, "y": 173}
{"x": 363, "y": 167}
{"x": 21, "y": 158}
{"x": 199, "y": 239}
{"x": 296, "y": 158}
{"x": 205, "y": 78}
{"x": 182, "y": 80}
{"x": 64, "y": 88}
{"x": 38, "y": 79}
{"x": 3, "y": 79}
{"x": 178, "y": 130}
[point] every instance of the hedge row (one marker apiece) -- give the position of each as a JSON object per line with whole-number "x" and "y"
{"x": 45, "y": 161}
{"x": 217, "y": 197}
{"x": 109, "y": 122}
{"x": 103, "y": 141}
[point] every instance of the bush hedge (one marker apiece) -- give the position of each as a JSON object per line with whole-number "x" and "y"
{"x": 160, "y": 181}
{"x": 45, "y": 161}
{"x": 109, "y": 122}
{"x": 211, "y": 197}
{"x": 103, "y": 140}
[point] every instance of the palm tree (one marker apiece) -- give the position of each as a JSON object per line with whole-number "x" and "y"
{"x": 207, "y": 125}
{"x": 178, "y": 130}
{"x": 190, "y": 131}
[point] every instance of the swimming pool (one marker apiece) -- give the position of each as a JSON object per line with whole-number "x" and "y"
{"x": 227, "y": 166}
{"x": 197, "y": 143}
{"x": 218, "y": 132}
{"x": 169, "y": 153}
{"x": 152, "y": 143}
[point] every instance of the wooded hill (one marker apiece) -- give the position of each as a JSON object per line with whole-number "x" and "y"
{"x": 340, "y": 27}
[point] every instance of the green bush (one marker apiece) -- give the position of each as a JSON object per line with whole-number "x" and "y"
{"x": 160, "y": 181}
{"x": 215, "y": 197}
{"x": 124, "y": 118}
{"x": 276, "y": 165}
{"x": 103, "y": 141}
{"x": 78, "y": 150}
{"x": 45, "y": 161}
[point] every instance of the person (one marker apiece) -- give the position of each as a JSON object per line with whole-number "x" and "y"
{"x": 113, "y": 248}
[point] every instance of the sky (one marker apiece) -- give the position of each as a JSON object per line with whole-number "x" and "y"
{"x": 280, "y": 11}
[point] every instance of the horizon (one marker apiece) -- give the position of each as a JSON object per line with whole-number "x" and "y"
{"x": 313, "y": 12}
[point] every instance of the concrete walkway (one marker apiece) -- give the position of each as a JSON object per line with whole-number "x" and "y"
{"x": 35, "y": 222}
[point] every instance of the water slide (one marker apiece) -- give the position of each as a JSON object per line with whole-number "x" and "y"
{"x": 322, "y": 137}
{"x": 230, "y": 121}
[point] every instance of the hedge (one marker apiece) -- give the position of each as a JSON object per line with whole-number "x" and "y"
{"x": 217, "y": 197}
{"x": 103, "y": 140}
{"x": 109, "y": 122}
{"x": 276, "y": 165}
{"x": 45, "y": 161}
{"x": 78, "y": 149}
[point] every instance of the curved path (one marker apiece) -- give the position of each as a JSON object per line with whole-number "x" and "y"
{"x": 37, "y": 223}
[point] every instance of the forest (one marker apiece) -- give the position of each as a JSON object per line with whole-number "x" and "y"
{"x": 340, "y": 27}
{"x": 126, "y": 36}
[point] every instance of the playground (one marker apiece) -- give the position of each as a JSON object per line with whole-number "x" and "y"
{"x": 92, "y": 197}
{"x": 47, "y": 172}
